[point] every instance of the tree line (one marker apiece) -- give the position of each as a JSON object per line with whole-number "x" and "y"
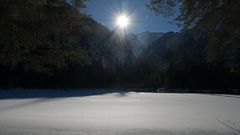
{"x": 53, "y": 44}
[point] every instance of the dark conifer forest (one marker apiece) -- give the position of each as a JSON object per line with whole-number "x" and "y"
{"x": 54, "y": 44}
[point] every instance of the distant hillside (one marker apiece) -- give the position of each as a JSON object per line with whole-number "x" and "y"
{"x": 172, "y": 49}
{"x": 141, "y": 41}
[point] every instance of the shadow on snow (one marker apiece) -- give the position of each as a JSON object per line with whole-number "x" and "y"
{"x": 57, "y": 93}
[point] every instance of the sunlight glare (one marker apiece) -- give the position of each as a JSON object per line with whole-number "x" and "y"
{"x": 122, "y": 21}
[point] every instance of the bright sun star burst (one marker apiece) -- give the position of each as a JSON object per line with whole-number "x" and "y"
{"x": 122, "y": 21}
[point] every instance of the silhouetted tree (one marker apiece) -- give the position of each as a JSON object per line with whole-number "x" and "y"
{"x": 216, "y": 18}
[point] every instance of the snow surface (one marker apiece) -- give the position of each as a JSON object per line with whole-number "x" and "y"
{"x": 119, "y": 113}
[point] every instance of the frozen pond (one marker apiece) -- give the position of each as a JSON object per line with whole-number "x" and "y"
{"x": 110, "y": 113}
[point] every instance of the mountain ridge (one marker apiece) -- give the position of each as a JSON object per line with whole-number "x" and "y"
{"x": 141, "y": 41}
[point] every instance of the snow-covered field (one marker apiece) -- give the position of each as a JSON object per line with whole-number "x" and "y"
{"x": 129, "y": 113}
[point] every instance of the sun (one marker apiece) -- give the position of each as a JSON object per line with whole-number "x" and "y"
{"x": 122, "y": 21}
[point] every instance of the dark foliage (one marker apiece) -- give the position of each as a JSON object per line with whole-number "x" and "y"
{"x": 51, "y": 44}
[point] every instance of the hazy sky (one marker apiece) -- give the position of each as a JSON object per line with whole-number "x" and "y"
{"x": 106, "y": 11}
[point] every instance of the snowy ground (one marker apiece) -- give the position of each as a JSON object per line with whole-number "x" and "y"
{"x": 129, "y": 113}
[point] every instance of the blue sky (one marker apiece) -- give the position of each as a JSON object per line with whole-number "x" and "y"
{"x": 106, "y": 11}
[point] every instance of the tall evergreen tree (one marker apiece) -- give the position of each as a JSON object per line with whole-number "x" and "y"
{"x": 36, "y": 34}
